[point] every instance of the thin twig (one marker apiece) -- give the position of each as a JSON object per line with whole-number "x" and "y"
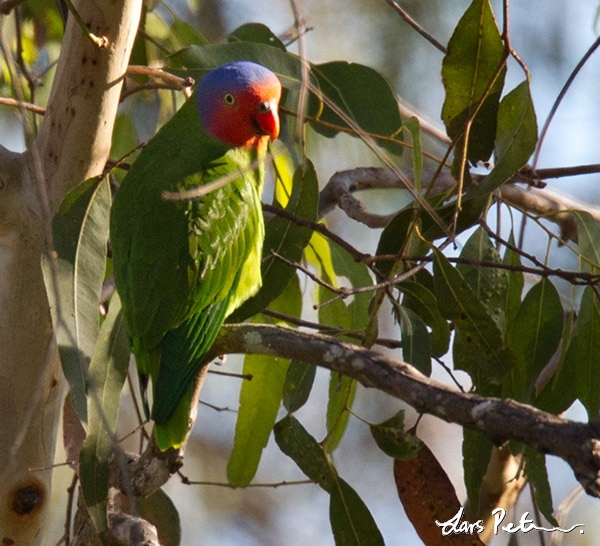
{"x": 245, "y": 376}
{"x": 574, "y": 277}
{"x": 24, "y": 105}
{"x": 100, "y": 41}
{"x": 331, "y": 330}
{"x": 229, "y": 486}
{"x": 560, "y": 97}
{"x": 342, "y": 291}
{"x": 412, "y": 23}
{"x": 356, "y": 254}
{"x": 160, "y": 74}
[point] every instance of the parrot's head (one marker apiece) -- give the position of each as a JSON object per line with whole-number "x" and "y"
{"x": 237, "y": 103}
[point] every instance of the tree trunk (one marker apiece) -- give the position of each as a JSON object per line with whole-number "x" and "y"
{"x": 72, "y": 145}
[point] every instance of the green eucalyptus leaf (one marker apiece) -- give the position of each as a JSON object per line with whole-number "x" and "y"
{"x": 588, "y": 237}
{"x": 365, "y": 99}
{"x": 537, "y": 475}
{"x": 581, "y": 359}
{"x": 393, "y": 440}
{"x": 516, "y": 139}
{"x": 423, "y": 302}
{"x": 342, "y": 390}
{"x": 476, "y": 451}
{"x": 298, "y": 384}
{"x": 478, "y": 345}
{"x": 515, "y": 280}
{"x": 416, "y": 344}
{"x": 534, "y": 335}
{"x": 351, "y": 521}
{"x": 74, "y": 280}
{"x": 259, "y": 403}
{"x": 158, "y": 509}
{"x": 107, "y": 373}
{"x": 489, "y": 284}
{"x": 256, "y": 32}
{"x": 197, "y": 60}
{"x": 295, "y": 441}
{"x": 473, "y": 77}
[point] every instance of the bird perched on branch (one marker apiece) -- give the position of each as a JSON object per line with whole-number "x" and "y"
{"x": 182, "y": 266}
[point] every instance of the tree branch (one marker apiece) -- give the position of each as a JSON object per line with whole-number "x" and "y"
{"x": 75, "y": 136}
{"x": 73, "y": 144}
{"x": 339, "y": 191}
{"x": 500, "y": 419}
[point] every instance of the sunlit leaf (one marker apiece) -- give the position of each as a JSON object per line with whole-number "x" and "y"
{"x": 342, "y": 390}
{"x": 259, "y": 403}
{"x": 414, "y": 128}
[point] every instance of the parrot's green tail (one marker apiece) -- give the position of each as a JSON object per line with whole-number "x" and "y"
{"x": 182, "y": 355}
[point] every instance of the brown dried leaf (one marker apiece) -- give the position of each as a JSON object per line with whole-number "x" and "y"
{"x": 428, "y": 496}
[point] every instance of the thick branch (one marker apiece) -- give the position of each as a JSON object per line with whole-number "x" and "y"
{"x": 340, "y": 190}
{"x": 500, "y": 419}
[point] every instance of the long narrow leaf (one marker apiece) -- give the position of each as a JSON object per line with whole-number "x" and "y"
{"x": 351, "y": 520}
{"x": 475, "y": 52}
{"x": 74, "y": 280}
{"x": 108, "y": 369}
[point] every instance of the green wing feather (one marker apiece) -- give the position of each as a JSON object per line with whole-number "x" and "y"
{"x": 182, "y": 266}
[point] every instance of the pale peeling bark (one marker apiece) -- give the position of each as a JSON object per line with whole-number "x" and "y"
{"x": 72, "y": 145}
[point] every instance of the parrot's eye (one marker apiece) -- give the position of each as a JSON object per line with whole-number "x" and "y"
{"x": 229, "y": 99}
{"x": 264, "y": 107}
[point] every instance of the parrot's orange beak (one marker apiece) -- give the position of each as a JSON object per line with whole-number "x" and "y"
{"x": 267, "y": 118}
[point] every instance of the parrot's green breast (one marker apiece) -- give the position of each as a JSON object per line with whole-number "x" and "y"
{"x": 182, "y": 266}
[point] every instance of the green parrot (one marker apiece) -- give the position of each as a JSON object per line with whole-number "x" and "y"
{"x": 182, "y": 266}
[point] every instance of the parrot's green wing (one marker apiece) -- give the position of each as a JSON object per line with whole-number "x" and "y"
{"x": 181, "y": 266}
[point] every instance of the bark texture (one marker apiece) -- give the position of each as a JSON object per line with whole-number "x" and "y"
{"x": 73, "y": 144}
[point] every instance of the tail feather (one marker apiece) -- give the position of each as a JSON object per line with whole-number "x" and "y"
{"x": 172, "y": 433}
{"x": 182, "y": 354}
